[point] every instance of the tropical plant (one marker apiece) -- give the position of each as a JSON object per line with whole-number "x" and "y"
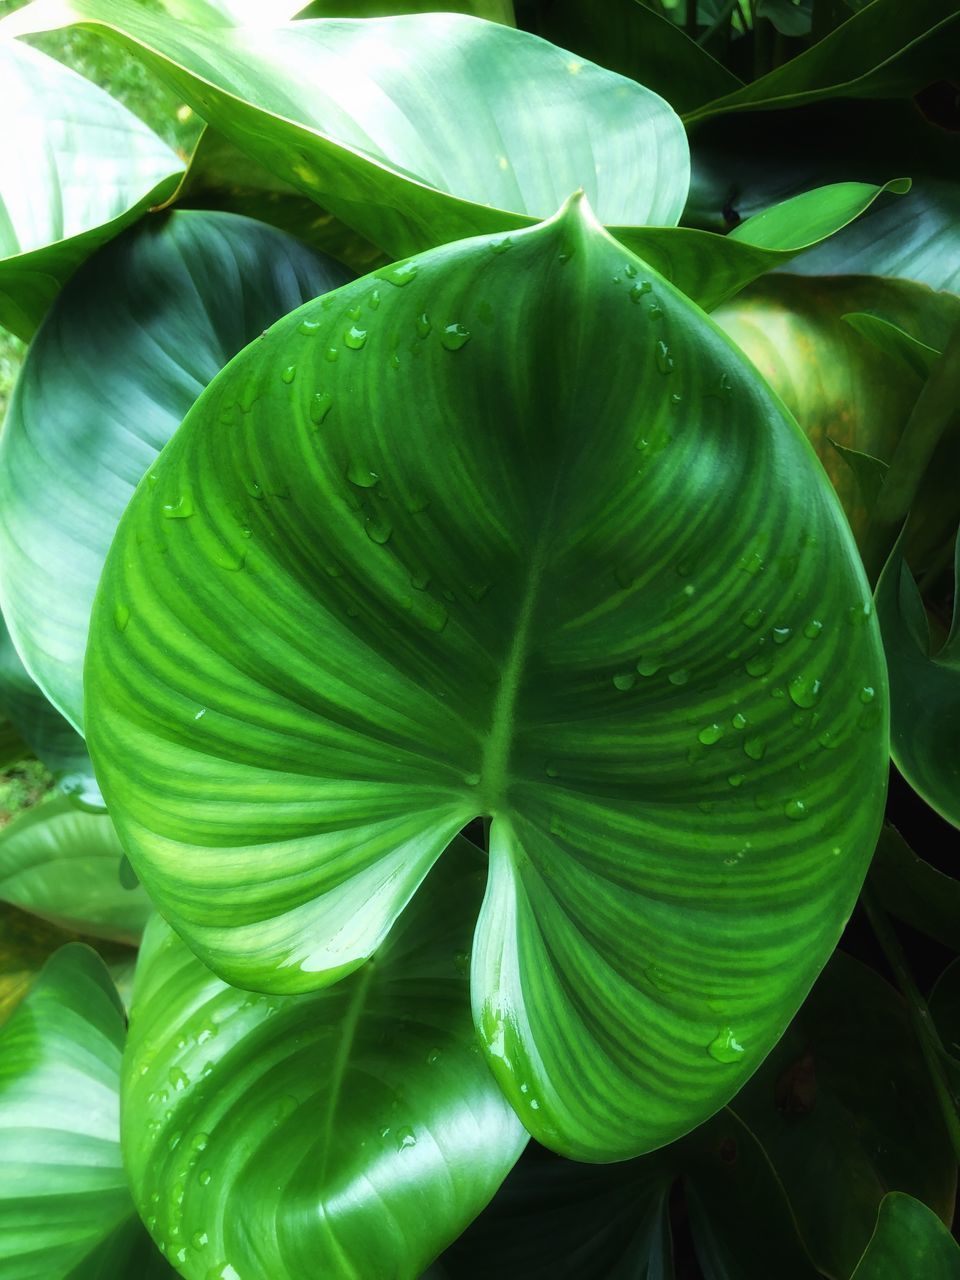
{"x": 472, "y": 541}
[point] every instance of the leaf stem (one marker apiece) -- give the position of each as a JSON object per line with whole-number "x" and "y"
{"x": 929, "y": 1041}
{"x": 935, "y": 409}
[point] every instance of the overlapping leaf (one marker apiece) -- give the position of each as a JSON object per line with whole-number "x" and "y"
{"x": 909, "y": 1241}
{"x": 924, "y": 688}
{"x": 75, "y": 169}
{"x": 528, "y": 538}
{"x": 62, "y": 863}
{"x": 842, "y": 388}
{"x": 124, "y": 353}
{"x": 63, "y": 1192}
{"x": 354, "y": 1132}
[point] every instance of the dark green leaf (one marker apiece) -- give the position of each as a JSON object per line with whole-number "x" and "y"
{"x": 889, "y": 48}
{"x": 789, "y": 17}
{"x": 784, "y": 1183}
{"x": 909, "y": 1241}
{"x": 868, "y": 471}
{"x": 75, "y": 169}
{"x": 124, "y": 353}
{"x": 914, "y": 891}
{"x": 353, "y": 1132}
{"x": 63, "y": 1191}
{"x": 501, "y": 563}
{"x": 63, "y": 864}
{"x": 924, "y": 689}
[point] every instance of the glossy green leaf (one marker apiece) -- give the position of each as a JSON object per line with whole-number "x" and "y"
{"x": 914, "y": 891}
{"x": 894, "y": 341}
{"x": 456, "y": 600}
{"x": 62, "y": 863}
{"x": 63, "y": 1191}
{"x": 845, "y": 1094}
{"x": 629, "y": 37}
{"x": 888, "y": 48}
{"x": 417, "y": 129}
{"x": 75, "y": 169}
{"x": 352, "y": 1132}
{"x": 811, "y": 216}
{"x": 909, "y": 1241}
{"x": 239, "y": 13}
{"x": 124, "y": 353}
{"x": 868, "y": 471}
{"x": 789, "y": 17}
{"x": 843, "y": 389}
{"x": 924, "y": 689}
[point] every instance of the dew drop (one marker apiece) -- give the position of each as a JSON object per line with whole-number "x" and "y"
{"x": 454, "y": 337}
{"x": 288, "y": 374}
{"x": 725, "y": 1047}
{"x": 255, "y": 490}
{"x": 179, "y": 510}
{"x": 679, "y": 677}
{"x": 796, "y": 810}
{"x": 320, "y": 406}
{"x": 624, "y": 680}
{"x": 374, "y": 300}
{"x": 752, "y": 618}
{"x": 867, "y": 693}
{"x": 664, "y": 358}
{"x": 813, "y": 628}
{"x": 433, "y": 1057}
{"x": 780, "y": 635}
{"x": 406, "y": 1138}
{"x": 648, "y": 666}
{"x": 332, "y": 354}
{"x": 354, "y": 337}
{"x": 199, "y": 1240}
{"x": 121, "y": 616}
{"x": 502, "y": 245}
{"x": 362, "y": 476}
{"x": 804, "y": 690}
{"x": 551, "y": 770}
{"x": 472, "y": 779}
{"x": 859, "y": 613}
{"x": 638, "y": 290}
{"x": 308, "y": 326}
{"x": 655, "y": 310}
{"x": 710, "y": 734}
{"x": 736, "y": 779}
{"x": 755, "y": 747}
{"x": 205, "y": 1178}
{"x": 400, "y": 274}
{"x": 759, "y": 665}
{"x": 377, "y": 529}
{"x": 423, "y": 325}
{"x": 739, "y": 720}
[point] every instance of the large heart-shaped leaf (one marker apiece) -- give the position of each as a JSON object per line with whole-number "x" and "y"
{"x": 528, "y": 538}
{"x": 75, "y": 169}
{"x": 909, "y": 1241}
{"x": 63, "y": 1191}
{"x": 841, "y": 387}
{"x": 62, "y": 863}
{"x": 415, "y": 129}
{"x": 353, "y": 1132}
{"x": 924, "y": 688}
{"x": 845, "y": 1092}
{"x": 124, "y": 353}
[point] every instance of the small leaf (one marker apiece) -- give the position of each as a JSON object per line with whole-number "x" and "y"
{"x": 918, "y": 356}
{"x": 916, "y": 892}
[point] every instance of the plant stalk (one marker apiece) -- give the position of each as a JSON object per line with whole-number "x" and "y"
{"x": 929, "y": 1041}
{"x": 935, "y": 409}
